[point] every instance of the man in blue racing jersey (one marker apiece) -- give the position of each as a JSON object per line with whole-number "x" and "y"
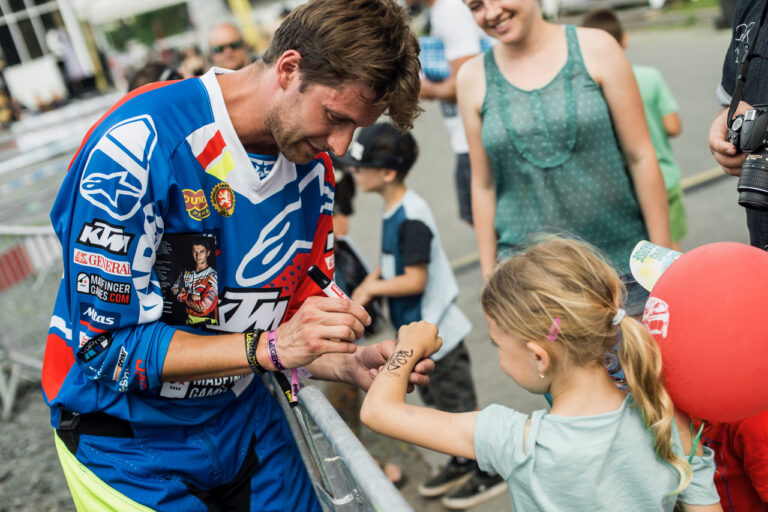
{"x": 150, "y": 415}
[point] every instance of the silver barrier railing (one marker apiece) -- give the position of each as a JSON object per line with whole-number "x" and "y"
{"x": 342, "y": 471}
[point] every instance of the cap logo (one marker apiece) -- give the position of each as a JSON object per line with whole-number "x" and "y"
{"x": 356, "y": 150}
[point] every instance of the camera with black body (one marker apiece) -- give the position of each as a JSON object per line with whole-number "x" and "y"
{"x": 749, "y": 133}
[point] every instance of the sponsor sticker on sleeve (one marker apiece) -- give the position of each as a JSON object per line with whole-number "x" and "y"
{"x": 223, "y": 199}
{"x": 196, "y": 204}
{"x": 108, "y": 265}
{"x": 94, "y": 346}
{"x": 103, "y": 235}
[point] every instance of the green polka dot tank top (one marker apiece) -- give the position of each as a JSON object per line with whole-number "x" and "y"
{"x": 556, "y": 161}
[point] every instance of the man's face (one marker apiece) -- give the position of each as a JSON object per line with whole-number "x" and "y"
{"x": 321, "y": 118}
{"x": 200, "y": 255}
{"x": 227, "y": 48}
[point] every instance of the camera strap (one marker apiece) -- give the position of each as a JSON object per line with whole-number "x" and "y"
{"x": 745, "y": 56}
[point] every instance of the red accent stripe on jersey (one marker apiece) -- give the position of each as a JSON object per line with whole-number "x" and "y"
{"x": 130, "y": 95}
{"x": 57, "y": 361}
{"x": 212, "y": 150}
{"x": 92, "y": 328}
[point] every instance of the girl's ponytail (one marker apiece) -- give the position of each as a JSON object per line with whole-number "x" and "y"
{"x": 640, "y": 359}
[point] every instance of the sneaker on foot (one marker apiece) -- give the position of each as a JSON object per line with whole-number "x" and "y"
{"x": 479, "y": 488}
{"x": 452, "y": 475}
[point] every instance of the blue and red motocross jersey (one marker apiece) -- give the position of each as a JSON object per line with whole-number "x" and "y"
{"x": 166, "y": 160}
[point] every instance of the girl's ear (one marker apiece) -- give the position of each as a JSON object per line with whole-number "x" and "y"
{"x": 541, "y": 357}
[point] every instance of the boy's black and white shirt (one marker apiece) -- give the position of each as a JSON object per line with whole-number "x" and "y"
{"x": 409, "y": 237}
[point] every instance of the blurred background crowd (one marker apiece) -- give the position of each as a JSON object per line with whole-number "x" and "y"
{"x": 54, "y": 51}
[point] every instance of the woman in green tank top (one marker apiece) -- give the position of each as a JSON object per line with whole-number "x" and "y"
{"x": 557, "y": 137}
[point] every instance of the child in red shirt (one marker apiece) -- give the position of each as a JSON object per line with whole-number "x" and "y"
{"x": 741, "y": 455}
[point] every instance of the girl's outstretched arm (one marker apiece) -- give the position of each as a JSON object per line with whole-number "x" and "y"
{"x": 385, "y": 411}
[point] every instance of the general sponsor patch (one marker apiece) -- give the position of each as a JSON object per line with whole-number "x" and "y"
{"x": 223, "y": 199}
{"x": 196, "y": 204}
{"x": 105, "y": 290}
{"x": 110, "y": 266}
{"x": 94, "y": 346}
{"x": 103, "y": 235}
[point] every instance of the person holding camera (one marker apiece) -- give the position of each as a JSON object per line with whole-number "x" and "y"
{"x": 558, "y": 140}
{"x": 744, "y": 83}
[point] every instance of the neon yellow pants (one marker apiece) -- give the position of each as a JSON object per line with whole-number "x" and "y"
{"x": 90, "y": 493}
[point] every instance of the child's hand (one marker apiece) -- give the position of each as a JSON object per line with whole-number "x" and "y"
{"x": 421, "y": 336}
{"x": 362, "y": 294}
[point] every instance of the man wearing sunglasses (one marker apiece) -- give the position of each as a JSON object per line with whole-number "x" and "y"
{"x": 227, "y": 48}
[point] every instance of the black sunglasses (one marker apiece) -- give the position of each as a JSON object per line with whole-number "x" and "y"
{"x": 234, "y": 45}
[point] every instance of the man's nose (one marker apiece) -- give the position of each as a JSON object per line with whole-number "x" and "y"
{"x": 339, "y": 140}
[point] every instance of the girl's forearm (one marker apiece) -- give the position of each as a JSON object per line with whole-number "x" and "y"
{"x": 384, "y": 411}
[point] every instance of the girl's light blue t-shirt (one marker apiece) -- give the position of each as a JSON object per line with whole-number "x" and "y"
{"x": 601, "y": 462}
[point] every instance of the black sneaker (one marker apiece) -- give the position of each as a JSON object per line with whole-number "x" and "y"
{"x": 452, "y": 475}
{"x": 481, "y": 487}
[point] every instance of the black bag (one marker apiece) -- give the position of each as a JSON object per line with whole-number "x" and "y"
{"x": 351, "y": 269}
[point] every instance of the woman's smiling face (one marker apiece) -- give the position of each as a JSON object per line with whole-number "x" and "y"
{"x": 505, "y": 20}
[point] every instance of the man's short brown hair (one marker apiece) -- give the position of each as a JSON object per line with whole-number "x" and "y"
{"x": 367, "y": 41}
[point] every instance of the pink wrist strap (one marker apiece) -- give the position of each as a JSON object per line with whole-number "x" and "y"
{"x": 295, "y": 384}
{"x": 272, "y": 346}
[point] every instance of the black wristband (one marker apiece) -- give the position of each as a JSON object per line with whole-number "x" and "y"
{"x": 251, "y": 342}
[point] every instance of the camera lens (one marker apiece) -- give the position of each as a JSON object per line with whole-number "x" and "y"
{"x": 753, "y": 183}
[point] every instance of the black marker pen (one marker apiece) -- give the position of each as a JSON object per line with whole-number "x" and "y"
{"x": 325, "y": 283}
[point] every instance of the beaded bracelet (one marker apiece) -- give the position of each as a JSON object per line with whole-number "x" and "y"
{"x": 251, "y": 343}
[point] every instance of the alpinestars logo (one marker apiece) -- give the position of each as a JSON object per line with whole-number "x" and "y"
{"x": 243, "y": 309}
{"x": 105, "y": 236}
{"x": 117, "y": 169}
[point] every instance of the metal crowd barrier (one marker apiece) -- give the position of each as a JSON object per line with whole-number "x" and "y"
{"x": 342, "y": 471}
{"x": 345, "y": 476}
{"x": 30, "y": 271}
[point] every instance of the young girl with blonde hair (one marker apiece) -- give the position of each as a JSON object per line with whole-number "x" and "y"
{"x": 554, "y": 311}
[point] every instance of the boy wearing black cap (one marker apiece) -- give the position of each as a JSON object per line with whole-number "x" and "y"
{"x": 416, "y": 278}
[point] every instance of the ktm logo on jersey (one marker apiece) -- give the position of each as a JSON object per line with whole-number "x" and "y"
{"x": 117, "y": 169}
{"x": 243, "y": 309}
{"x": 105, "y": 236}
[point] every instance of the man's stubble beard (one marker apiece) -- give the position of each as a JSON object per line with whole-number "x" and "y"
{"x": 286, "y": 142}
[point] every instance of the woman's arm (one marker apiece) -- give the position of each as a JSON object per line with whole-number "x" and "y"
{"x": 385, "y": 411}
{"x": 470, "y": 94}
{"x": 608, "y": 65}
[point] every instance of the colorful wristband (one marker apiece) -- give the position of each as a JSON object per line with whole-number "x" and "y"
{"x": 272, "y": 345}
{"x": 251, "y": 344}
